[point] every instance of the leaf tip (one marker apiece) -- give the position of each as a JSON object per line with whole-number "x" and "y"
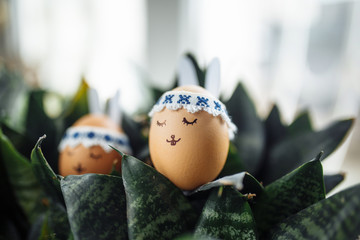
{"x": 121, "y": 153}
{"x": 41, "y": 139}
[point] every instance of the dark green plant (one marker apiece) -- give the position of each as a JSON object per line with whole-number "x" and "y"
{"x": 140, "y": 203}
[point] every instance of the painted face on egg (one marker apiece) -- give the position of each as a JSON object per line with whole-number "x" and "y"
{"x": 188, "y": 148}
{"x": 85, "y": 149}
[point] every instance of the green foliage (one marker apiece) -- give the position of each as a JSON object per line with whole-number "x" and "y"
{"x": 157, "y": 209}
{"x": 334, "y": 218}
{"x": 281, "y": 196}
{"x": 289, "y": 194}
{"x": 45, "y": 174}
{"x": 21, "y": 178}
{"x": 96, "y": 206}
{"x": 226, "y": 215}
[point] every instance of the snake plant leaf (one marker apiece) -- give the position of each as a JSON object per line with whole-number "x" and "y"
{"x": 21, "y": 177}
{"x": 275, "y": 130}
{"x": 39, "y": 123}
{"x": 78, "y": 106}
{"x": 303, "y": 147}
{"x": 45, "y": 174}
{"x": 233, "y": 164}
{"x": 133, "y": 131}
{"x": 290, "y": 194}
{"x": 13, "y": 222}
{"x": 56, "y": 224}
{"x": 96, "y": 206}
{"x": 301, "y": 124}
{"x": 251, "y": 185}
{"x": 336, "y": 217}
{"x": 331, "y": 181}
{"x": 157, "y": 209}
{"x": 250, "y": 138}
{"x": 226, "y": 215}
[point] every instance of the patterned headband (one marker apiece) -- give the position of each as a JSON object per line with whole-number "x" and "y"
{"x": 95, "y": 136}
{"x": 194, "y": 102}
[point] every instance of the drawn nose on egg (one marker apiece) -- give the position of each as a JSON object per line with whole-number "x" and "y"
{"x": 173, "y": 141}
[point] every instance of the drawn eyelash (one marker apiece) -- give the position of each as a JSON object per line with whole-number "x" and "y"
{"x": 161, "y": 124}
{"x": 95, "y": 156}
{"x": 185, "y": 121}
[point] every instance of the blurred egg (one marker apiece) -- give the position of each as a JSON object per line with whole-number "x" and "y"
{"x": 84, "y": 148}
{"x": 188, "y": 148}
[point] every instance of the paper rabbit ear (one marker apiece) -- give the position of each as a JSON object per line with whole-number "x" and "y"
{"x": 187, "y": 73}
{"x": 114, "y": 110}
{"x": 94, "y": 102}
{"x": 212, "y": 79}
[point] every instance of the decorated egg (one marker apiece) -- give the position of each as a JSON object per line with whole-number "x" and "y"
{"x": 189, "y": 132}
{"x": 85, "y": 147}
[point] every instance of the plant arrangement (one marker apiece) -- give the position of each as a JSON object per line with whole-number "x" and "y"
{"x": 271, "y": 187}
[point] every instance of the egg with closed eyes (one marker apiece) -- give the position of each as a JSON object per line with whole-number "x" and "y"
{"x": 85, "y": 147}
{"x": 189, "y": 136}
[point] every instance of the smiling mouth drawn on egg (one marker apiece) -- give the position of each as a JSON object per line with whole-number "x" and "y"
{"x": 173, "y": 141}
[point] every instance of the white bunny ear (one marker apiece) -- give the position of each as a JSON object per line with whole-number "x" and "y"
{"x": 212, "y": 79}
{"x": 94, "y": 102}
{"x": 114, "y": 110}
{"x": 187, "y": 73}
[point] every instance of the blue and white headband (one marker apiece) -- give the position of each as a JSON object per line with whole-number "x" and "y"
{"x": 95, "y": 136}
{"x": 194, "y": 102}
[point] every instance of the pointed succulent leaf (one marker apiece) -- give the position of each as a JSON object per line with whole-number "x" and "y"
{"x": 289, "y": 194}
{"x": 23, "y": 182}
{"x": 275, "y": 130}
{"x": 226, "y": 215}
{"x": 301, "y": 124}
{"x": 251, "y": 186}
{"x": 336, "y": 217}
{"x": 78, "y": 106}
{"x": 45, "y": 174}
{"x": 250, "y": 138}
{"x": 39, "y": 123}
{"x": 55, "y": 224}
{"x": 96, "y": 206}
{"x": 157, "y": 209}
{"x": 303, "y": 147}
{"x": 133, "y": 131}
{"x": 233, "y": 163}
{"x": 331, "y": 181}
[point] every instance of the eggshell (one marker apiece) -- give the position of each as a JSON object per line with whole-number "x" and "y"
{"x": 188, "y": 155}
{"x": 81, "y": 160}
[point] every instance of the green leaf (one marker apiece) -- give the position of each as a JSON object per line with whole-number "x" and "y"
{"x": 301, "y": 124}
{"x": 250, "y": 138}
{"x": 233, "y": 163}
{"x": 336, "y": 217}
{"x": 133, "y": 131}
{"x": 96, "y": 206}
{"x": 289, "y": 194}
{"x": 39, "y": 123}
{"x": 55, "y": 224}
{"x": 226, "y": 215}
{"x": 275, "y": 130}
{"x": 303, "y": 147}
{"x": 157, "y": 209}
{"x": 331, "y": 181}
{"x": 251, "y": 185}
{"x": 27, "y": 189}
{"x": 78, "y": 106}
{"x": 45, "y": 174}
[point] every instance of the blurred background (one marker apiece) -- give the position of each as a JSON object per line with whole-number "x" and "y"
{"x": 299, "y": 54}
